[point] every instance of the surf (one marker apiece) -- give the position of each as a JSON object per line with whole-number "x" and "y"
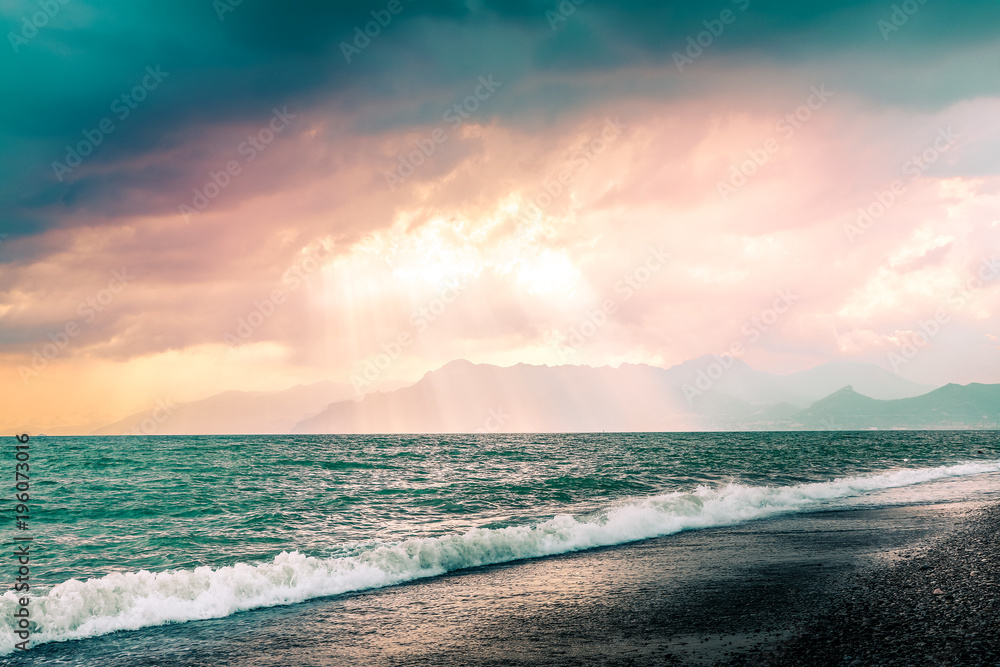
{"x": 77, "y": 609}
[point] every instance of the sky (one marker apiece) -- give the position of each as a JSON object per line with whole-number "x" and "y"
{"x": 201, "y": 196}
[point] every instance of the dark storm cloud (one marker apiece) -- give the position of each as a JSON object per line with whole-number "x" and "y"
{"x": 229, "y": 68}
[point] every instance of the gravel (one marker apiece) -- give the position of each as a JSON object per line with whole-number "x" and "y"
{"x": 939, "y": 605}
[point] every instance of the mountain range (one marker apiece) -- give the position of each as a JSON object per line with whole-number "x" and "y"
{"x": 709, "y": 393}
{"x": 952, "y": 406}
{"x": 233, "y": 412}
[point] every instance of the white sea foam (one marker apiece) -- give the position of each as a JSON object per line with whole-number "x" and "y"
{"x": 127, "y": 601}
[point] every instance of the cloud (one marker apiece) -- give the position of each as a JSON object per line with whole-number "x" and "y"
{"x": 523, "y": 197}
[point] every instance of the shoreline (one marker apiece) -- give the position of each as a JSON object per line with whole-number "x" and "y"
{"x": 735, "y": 595}
{"x": 938, "y": 605}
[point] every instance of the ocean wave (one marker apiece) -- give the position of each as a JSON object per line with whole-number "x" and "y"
{"x": 131, "y": 600}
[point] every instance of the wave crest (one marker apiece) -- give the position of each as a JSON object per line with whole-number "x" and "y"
{"x": 131, "y": 600}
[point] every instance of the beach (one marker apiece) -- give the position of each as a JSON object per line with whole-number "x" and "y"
{"x": 472, "y": 333}
{"x": 797, "y": 589}
{"x": 938, "y": 605}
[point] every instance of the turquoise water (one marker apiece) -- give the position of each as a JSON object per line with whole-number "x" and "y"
{"x": 131, "y": 532}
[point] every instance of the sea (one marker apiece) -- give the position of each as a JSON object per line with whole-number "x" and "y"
{"x": 134, "y": 534}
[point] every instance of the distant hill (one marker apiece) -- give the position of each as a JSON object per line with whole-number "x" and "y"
{"x": 466, "y": 397}
{"x": 708, "y": 393}
{"x": 867, "y": 379}
{"x": 952, "y": 406}
{"x": 802, "y": 388}
{"x": 233, "y": 412}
